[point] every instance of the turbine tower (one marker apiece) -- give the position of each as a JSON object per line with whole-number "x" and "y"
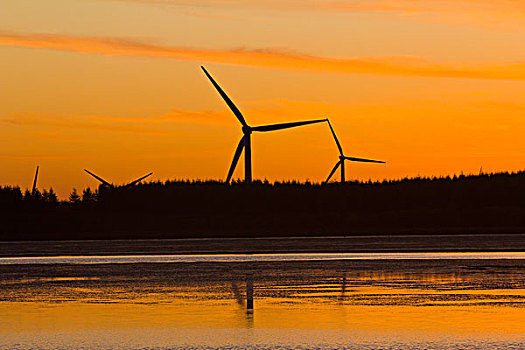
{"x": 105, "y": 183}
{"x": 33, "y": 191}
{"x": 342, "y": 158}
{"x": 245, "y": 142}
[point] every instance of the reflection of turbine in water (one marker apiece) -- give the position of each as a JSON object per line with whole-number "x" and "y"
{"x": 343, "y": 285}
{"x": 245, "y": 142}
{"x": 110, "y": 185}
{"x": 249, "y": 293}
{"x": 342, "y": 158}
{"x": 237, "y": 294}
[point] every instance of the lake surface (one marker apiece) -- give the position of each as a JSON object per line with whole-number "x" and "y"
{"x": 301, "y": 301}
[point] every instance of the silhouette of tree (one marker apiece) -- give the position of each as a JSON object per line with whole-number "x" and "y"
{"x": 27, "y": 195}
{"x": 37, "y": 196}
{"x": 49, "y": 196}
{"x": 88, "y": 196}
{"x": 74, "y": 197}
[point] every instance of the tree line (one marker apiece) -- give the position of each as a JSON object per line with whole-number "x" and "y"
{"x": 192, "y": 209}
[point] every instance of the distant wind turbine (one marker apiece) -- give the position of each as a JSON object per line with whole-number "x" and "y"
{"x": 33, "y": 191}
{"x": 342, "y": 158}
{"x": 105, "y": 183}
{"x": 245, "y": 142}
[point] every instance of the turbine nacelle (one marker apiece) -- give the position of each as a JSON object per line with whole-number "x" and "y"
{"x": 246, "y": 130}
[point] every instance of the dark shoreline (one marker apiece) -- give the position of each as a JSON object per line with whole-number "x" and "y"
{"x": 264, "y": 245}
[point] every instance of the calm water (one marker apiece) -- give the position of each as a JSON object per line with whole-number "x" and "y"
{"x": 325, "y": 301}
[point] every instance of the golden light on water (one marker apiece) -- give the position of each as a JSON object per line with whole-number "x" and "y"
{"x": 356, "y": 304}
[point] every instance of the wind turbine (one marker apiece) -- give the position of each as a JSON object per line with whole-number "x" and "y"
{"x": 105, "y": 183}
{"x": 33, "y": 191}
{"x": 342, "y": 158}
{"x": 245, "y": 142}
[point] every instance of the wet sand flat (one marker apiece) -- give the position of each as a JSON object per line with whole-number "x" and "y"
{"x": 326, "y": 304}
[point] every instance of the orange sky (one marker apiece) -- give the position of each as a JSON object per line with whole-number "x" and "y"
{"x": 432, "y": 87}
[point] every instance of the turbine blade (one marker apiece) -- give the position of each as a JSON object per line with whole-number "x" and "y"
{"x": 273, "y": 127}
{"x": 33, "y": 191}
{"x": 225, "y": 97}
{"x": 98, "y": 178}
{"x": 236, "y": 157}
{"x": 333, "y": 171}
{"x": 133, "y": 183}
{"x": 353, "y": 159}
{"x": 335, "y": 138}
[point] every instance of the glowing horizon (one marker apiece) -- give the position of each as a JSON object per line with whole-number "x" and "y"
{"x": 433, "y": 87}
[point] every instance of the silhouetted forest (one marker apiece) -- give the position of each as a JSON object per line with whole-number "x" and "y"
{"x": 485, "y": 203}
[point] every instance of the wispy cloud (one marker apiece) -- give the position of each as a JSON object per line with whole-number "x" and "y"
{"x": 271, "y": 58}
{"x": 174, "y": 116}
{"x": 485, "y": 12}
{"x": 80, "y": 122}
{"x": 502, "y": 14}
{"x": 155, "y": 125}
{"x": 516, "y": 8}
{"x": 357, "y": 5}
